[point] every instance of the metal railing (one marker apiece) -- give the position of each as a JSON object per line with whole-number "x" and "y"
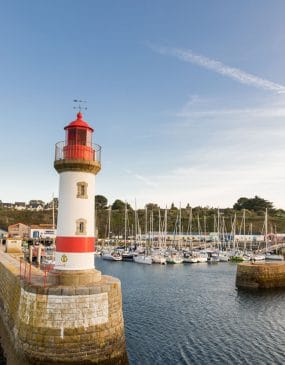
{"x": 42, "y": 275}
{"x": 77, "y": 152}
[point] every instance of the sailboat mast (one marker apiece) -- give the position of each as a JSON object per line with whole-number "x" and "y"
{"x": 234, "y": 231}
{"x": 53, "y": 225}
{"x": 159, "y": 229}
{"x": 205, "y": 229}
{"x": 126, "y": 212}
{"x": 165, "y": 226}
{"x": 266, "y": 230}
{"x": 244, "y": 240}
{"x": 136, "y": 221}
{"x": 218, "y": 227}
{"x": 145, "y": 227}
{"x": 109, "y": 223}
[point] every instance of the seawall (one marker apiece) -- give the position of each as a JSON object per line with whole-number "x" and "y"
{"x": 260, "y": 275}
{"x": 62, "y": 324}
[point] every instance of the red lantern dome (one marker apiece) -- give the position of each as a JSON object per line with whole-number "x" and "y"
{"x": 78, "y": 141}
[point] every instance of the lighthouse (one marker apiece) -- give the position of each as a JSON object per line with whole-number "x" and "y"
{"x": 75, "y": 315}
{"x": 77, "y": 160}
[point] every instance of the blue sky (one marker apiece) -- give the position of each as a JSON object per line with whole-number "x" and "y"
{"x": 186, "y": 97}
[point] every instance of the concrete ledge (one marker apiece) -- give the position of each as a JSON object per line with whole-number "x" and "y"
{"x": 260, "y": 275}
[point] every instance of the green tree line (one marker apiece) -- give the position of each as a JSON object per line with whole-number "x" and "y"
{"x": 194, "y": 219}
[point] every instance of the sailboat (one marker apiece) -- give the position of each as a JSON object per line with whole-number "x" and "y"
{"x": 144, "y": 258}
{"x": 157, "y": 256}
{"x": 190, "y": 258}
{"x": 174, "y": 258}
{"x": 268, "y": 255}
{"x": 110, "y": 255}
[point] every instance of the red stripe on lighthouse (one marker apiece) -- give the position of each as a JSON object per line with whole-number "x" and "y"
{"x": 75, "y": 244}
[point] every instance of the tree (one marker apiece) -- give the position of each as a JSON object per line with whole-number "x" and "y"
{"x": 118, "y": 205}
{"x": 152, "y": 206}
{"x": 256, "y": 204}
{"x": 100, "y": 202}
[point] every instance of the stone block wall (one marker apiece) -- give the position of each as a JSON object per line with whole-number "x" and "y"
{"x": 64, "y": 325}
{"x": 260, "y": 275}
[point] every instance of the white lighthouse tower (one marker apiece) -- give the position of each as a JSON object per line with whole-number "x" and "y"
{"x": 77, "y": 161}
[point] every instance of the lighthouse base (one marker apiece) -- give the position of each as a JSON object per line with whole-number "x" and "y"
{"x": 62, "y": 324}
{"x": 76, "y": 277}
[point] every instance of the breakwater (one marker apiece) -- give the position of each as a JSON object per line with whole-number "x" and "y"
{"x": 260, "y": 275}
{"x": 60, "y": 324}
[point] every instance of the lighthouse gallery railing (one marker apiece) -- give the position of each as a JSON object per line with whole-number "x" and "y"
{"x": 82, "y": 152}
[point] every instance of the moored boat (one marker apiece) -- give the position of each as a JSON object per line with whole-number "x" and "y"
{"x": 142, "y": 259}
{"x": 258, "y": 257}
{"x": 128, "y": 256}
{"x": 273, "y": 257}
{"x": 189, "y": 258}
{"x": 158, "y": 259}
{"x": 213, "y": 258}
{"x": 174, "y": 259}
{"x": 111, "y": 256}
{"x": 224, "y": 257}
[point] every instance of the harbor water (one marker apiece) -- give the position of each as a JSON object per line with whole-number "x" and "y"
{"x": 193, "y": 314}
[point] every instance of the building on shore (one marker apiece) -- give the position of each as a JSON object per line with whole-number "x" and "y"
{"x": 42, "y": 231}
{"x": 19, "y": 230}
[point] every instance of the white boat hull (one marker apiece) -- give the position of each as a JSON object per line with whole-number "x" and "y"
{"x": 174, "y": 260}
{"x": 190, "y": 260}
{"x": 158, "y": 260}
{"x": 274, "y": 257}
{"x": 111, "y": 257}
{"x": 143, "y": 260}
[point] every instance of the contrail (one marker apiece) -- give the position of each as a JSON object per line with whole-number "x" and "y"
{"x": 219, "y": 67}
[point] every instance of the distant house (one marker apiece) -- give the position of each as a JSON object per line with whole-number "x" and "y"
{"x": 8, "y": 205}
{"x": 19, "y": 230}
{"x": 20, "y": 205}
{"x": 37, "y": 205}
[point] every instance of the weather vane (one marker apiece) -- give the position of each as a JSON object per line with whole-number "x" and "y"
{"x": 79, "y": 106}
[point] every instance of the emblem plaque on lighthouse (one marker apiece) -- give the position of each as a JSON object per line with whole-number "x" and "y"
{"x": 77, "y": 160}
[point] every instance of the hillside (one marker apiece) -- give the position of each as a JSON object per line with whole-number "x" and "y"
{"x": 203, "y": 219}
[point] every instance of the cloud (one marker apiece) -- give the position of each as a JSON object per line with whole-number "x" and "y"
{"x": 222, "y": 69}
{"x": 145, "y": 180}
{"x": 267, "y": 112}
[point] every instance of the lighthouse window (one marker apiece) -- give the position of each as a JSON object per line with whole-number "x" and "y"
{"x": 81, "y": 137}
{"x": 80, "y": 226}
{"x": 82, "y": 190}
{"x": 71, "y": 136}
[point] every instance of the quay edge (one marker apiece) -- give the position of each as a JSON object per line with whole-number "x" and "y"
{"x": 257, "y": 275}
{"x": 62, "y": 324}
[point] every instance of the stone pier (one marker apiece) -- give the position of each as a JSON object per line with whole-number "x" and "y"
{"x": 77, "y": 321}
{"x": 260, "y": 275}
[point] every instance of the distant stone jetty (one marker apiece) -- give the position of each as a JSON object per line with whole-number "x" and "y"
{"x": 260, "y": 275}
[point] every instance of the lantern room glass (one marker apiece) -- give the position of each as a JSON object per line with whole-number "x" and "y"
{"x": 79, "y": 136}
